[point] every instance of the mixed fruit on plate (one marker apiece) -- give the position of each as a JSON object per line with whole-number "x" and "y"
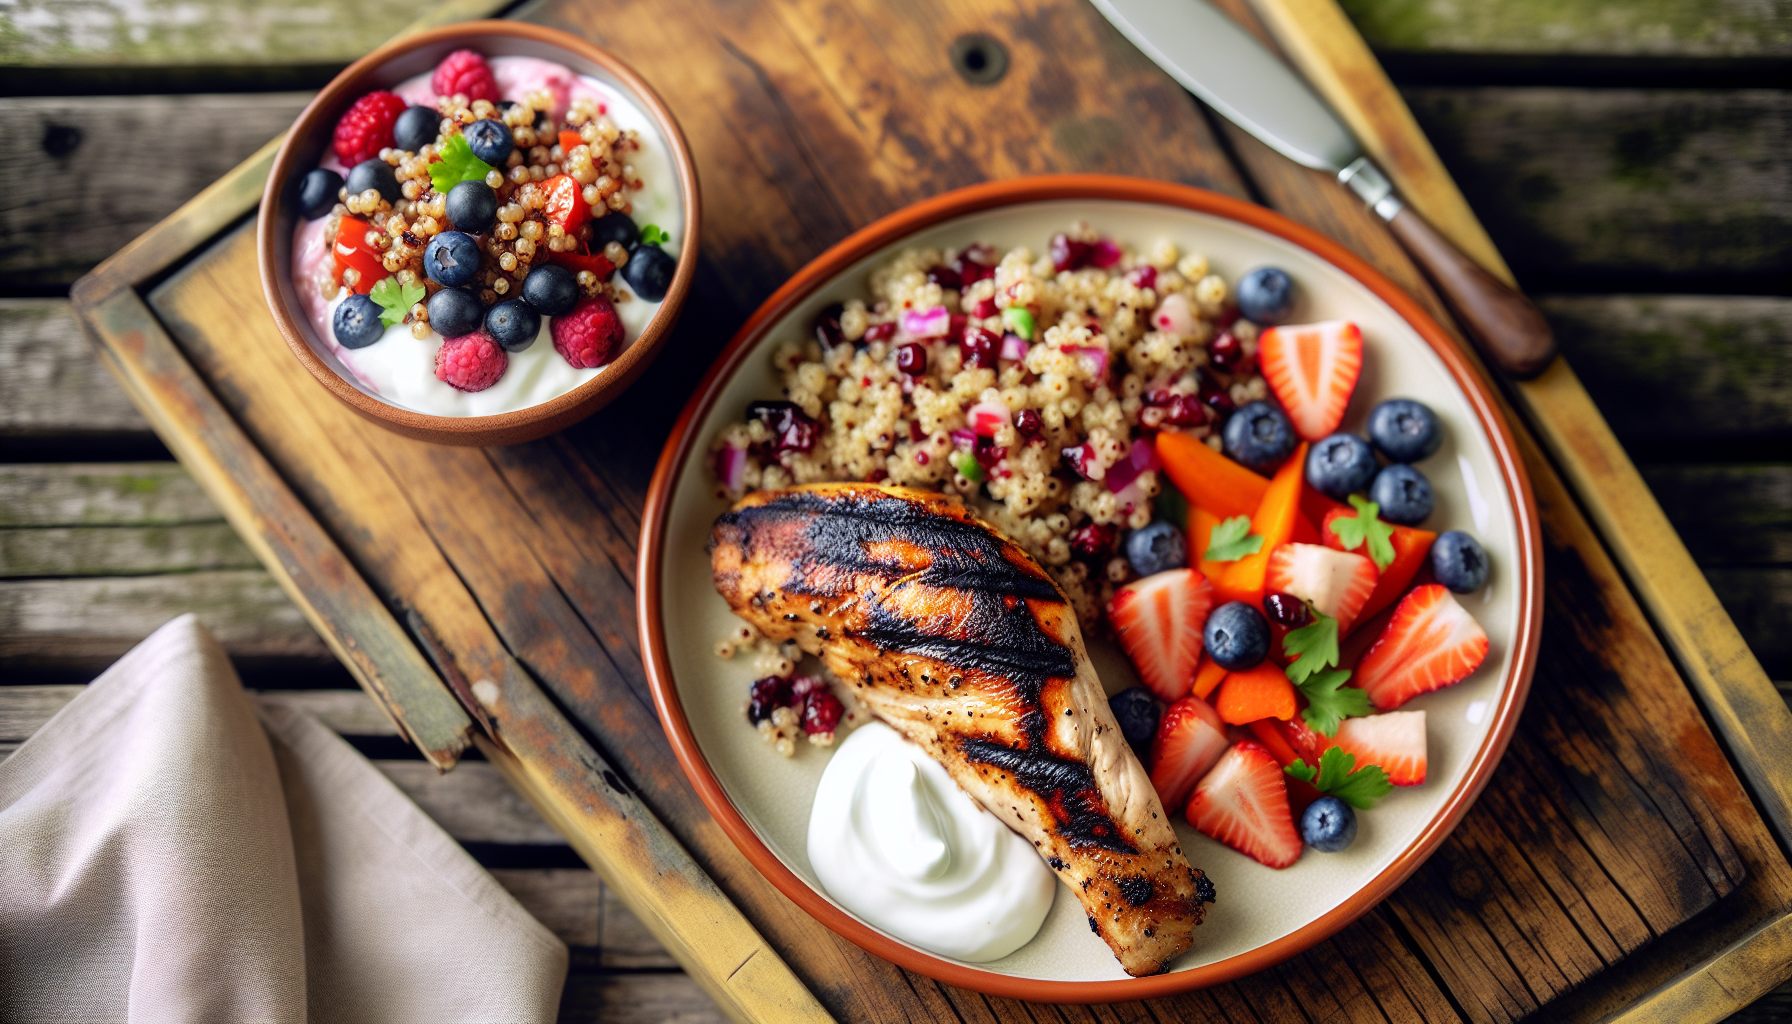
{"x": 1274, "y": 682}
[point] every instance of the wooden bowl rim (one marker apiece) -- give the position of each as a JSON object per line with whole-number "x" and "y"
{"x": 519, "y": 424}
{"x": 1515, "y": 688}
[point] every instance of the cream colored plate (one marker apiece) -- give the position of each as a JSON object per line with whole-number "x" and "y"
{"x": 1256, "y": 904}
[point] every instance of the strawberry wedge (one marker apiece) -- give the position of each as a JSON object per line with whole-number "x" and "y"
{"x": 1243, "y": 803}
{"x": 1189, "y": 740}
{"x": 1395, "y": 741}
{"x": 1338, "y": 583}
{"x": 1312, "y": 368}
{"x": 1159, "y": 621}
{"x": 1430, "y": 643}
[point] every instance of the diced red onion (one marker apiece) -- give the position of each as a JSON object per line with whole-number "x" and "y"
{"x": 1142, "y": 456}
{"x": 1174, "y": 315}
{"x": 1014, "y": 347}
{"x": 731, "y": 466}
{"x": 1098, "y": 357}
{"x": 965, "y": 439}
{"x": 927, "y": 323}
{"x": 1105, "y": 253}
{"x": 988, "y": 417}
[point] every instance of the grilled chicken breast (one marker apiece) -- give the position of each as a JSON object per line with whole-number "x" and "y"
{"x": 955, "y": 637}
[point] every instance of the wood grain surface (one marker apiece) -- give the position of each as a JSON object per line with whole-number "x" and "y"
{"x": 1601, "y": 832}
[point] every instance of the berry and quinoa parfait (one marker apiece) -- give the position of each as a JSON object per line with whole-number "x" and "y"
{"x": 487, "y": 236}
{"x": 1032, "y": 385}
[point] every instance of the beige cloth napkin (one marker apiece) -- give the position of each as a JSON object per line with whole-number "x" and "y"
{"x": 171, "y": 850}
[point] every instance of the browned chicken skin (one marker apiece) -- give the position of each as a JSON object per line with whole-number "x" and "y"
{"x": 957, "y": 639}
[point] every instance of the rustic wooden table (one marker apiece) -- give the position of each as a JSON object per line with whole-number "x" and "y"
{"x": 1602, "y": 832}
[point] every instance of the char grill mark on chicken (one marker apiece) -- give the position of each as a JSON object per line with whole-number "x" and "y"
{"x": 961, "y": 642}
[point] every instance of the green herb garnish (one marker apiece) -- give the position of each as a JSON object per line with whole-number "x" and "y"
{"x": 1019, "y": 320}
{"x": 1231, "y": 540}
{"x": 653, "y": 234}
{"x": 395, "y": 300}
{"x": 1315, "y": 647}
{"x": 1362, "y": 788}
{"x": 1366, "y": 525}
{"x": 1329, "y": 701}
{"x": 457, "y": 164}
{"x": 968, "y": 467}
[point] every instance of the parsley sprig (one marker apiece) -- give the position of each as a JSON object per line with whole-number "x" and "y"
{"x": 1232, "y": 539}
{"x": 1316, "y": 647}
{"x": 1313, "y": 672}
{"x": 1366, "y": 525}
{"x": 395, "y": 300}
{"x": 1337, "y": 775}
{"x": 457, "y": 164}
{"x": 653, "y": 234}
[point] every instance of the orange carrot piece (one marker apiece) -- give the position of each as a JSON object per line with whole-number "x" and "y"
{"x": 1208, "y": 479}
{"x": 1411, "y": 546}
{"x": 1267, "y": 734}
{"x": 1274, "y": 522}
{"x": 1200, "y": 533}
{"x": 1254, "y": 694}
{"x": 1207, "y": 677}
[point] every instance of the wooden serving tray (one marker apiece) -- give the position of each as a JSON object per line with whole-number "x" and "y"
{"x": 1614, "y": 865}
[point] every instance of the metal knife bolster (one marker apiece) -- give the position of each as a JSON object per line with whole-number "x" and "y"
{"x": 1367, "y": 181}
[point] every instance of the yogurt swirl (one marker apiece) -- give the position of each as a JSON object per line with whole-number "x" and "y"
{"x": 895, "y": 841}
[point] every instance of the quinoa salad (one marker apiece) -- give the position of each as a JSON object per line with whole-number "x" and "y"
{"x": 1030, "y": 384}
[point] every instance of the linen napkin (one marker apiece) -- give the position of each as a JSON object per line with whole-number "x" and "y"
{"x": 172, "y": 850}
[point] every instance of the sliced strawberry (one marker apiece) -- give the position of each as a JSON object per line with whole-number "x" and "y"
{"x": 1159, "y": 621}
{"x": 1306, "y": 743}
{"x": 1190, "y": 738}
{"x": 1338, "y": 583}
{"x": 1431, "y": 642}
{"x": 1243, "y": 802}
{"x": 1395, "y": 741}
{"x": 1312, "y": 368}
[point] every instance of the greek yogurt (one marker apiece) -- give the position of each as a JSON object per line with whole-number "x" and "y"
{"x": 895, "y": 841}
{"x": 399, "y": 368}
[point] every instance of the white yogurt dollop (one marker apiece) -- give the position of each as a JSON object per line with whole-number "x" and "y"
{"x": 898, "y": 843}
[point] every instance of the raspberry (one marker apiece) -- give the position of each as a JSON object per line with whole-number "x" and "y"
{"x": 588, "y": 336}
{"x": 367, "y": 127}
{"x": 466, "y": 73}
{"x": 471, "y": 362}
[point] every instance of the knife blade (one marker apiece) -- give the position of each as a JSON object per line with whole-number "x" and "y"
{"x": 1213, "y": 57}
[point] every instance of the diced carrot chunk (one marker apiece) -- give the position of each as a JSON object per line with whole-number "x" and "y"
{"x": 1274, "y": 522}
{"x": 570, "y": 141}
{"x": 1200, "y": 533}
{"x": 1208, "y": 479}
{"x": 1208, "y": 676}
{"x": 1255, "y": 694}
{"x": 1410, "y": 545}
{"x": 1270, "y": 736}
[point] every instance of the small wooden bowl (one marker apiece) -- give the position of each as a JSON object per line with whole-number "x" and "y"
{"x": 304, "y": 147}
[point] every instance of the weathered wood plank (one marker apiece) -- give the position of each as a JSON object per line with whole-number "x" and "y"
{"x": 91, "y": 622}
{"x": 66, "y": 208}
{"x": 636, "y": 999}
{"x": 121, "y": 550}
{"x": 209, "y": 32}
{"x": 1759, "y": 599}
{"x": 1686, "y": 373}
{"x": 472, "y": 803}
{"x": 625, "y": 943}
{"x": 349, "y": 712}
{"x": 1728, "y": 515}
{"x": 568, "y": 900}
{"x": 1606, "y": 185}
{"x": 50, "y": 381}
{"x": 1679, "y": 28}
{"x": 102, "y": 494}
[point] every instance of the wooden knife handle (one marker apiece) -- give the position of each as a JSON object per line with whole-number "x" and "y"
{"x": 1507, "y": 327}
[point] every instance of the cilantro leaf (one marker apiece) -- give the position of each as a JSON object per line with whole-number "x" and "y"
{"x": 1329, "y": 701}
{"x": 653, "y": 234}
{"x": 1170, "y": 505}
{"x": 395, "y": 300}
{"x": 1337, "y": 775}
{"x": 1232, "y": 539}
{"x": 1316, "y": 647}
{"x": 457, "y": 164}
{"x": 1366, "y": 525}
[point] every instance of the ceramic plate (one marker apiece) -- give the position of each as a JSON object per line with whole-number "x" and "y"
{"x": 1262, "y": 916}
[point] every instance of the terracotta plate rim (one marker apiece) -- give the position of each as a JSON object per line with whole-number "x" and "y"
{"x": 1514, "y": 688}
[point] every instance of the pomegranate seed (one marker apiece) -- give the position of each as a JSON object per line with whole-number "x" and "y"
{"x": 1185, "y": 411}
{"x": 1028, "y": 422}
{"x": 827, "y": 326}
{"x": 879, "y": 474}
{"x": 1287, "y": 609}
{"x": 1092, "y": 540}
{"x": 1104, "y": 253}
{"x": 984, "y": 309}
{"x": 1228, "y": 316}
{"x": 1143, "y": 277}
{"x": 911, "y": 359}
{"x": 1079, "y": 458}
{"x": 955, "y": 325}
{"x": 792, "y": 429}
{"x": 974, "y": 264}
{"x": 1069, "y": 254}
{"x": 989, "y": 455}
{"x": 1227, "y": 352}
{"x": 921, "y": 458}
{"x": 945, "y": 277}
{"x": 980, "y": 346}
{"x": 821, "y": 712}
{"x": 1219, "y": 402}
{"x": 881, "y": 332}
{"x": 1159, "y": 396}
{"x": 914, "y": 431}
{"x": 766, "y": 695}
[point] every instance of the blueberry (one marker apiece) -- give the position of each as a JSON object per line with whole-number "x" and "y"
{"x": 1259, "y": 435}
{"x": 1329, "y": 825}
{"x": 1459, "y": 562}
{"x": 317, "y": 192}
{"x": 614, "y": 227}
{"x": 452, "y": 259}
{"x": 513, "y": 325}
{"x": 357, "y": 322}
{"x": 1404, "y": 430}
{"x": 1403, "y": 494}
{"x": 1136, "y": 711}
{"x": 415, "y": 128}
{"x": 1236, "y": 636}
{"x": 1266, "y": 296}
{"x": 375, "y": 174}
{"x": 649, "y": 271}
{"x": 1155, "y": 548}
{"x": 551, "y": 289}
{"x": 1341, "y": 465}
{"x": 489, "y": 140}
{"x": 454, "y": 312}
{"x": 472, "y": 206}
